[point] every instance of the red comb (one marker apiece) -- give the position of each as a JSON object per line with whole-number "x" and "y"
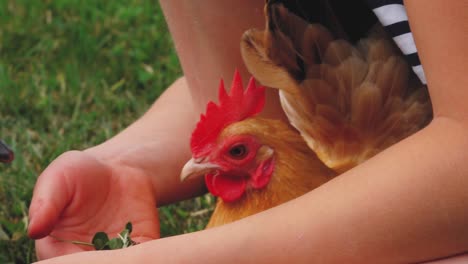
{"x": 236, "y": 106}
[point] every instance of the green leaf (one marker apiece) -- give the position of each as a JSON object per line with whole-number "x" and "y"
{"x": 115, "y": 243}
{"x": 129, "y": 227}
{"x": 124, "y": 236}
{"x": 124, "y": 233}
{"x": 100, "y": 241}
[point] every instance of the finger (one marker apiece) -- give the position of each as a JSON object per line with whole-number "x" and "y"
{"x": 50, "y": 196}
{"x": 62, "y": 185}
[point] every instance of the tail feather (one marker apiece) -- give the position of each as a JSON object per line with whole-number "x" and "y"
{"x": 349, "y": 102}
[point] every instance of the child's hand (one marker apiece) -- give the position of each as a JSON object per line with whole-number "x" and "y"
{"x": 78, "y": 195}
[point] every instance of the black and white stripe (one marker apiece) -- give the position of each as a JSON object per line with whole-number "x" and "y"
{"x": 392, "y": 15}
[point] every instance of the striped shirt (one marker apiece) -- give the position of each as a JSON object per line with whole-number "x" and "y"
{"x": 392, "y": 15}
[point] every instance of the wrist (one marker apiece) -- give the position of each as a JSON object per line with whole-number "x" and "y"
{"x": 158, "y": 145}
{"x": 159, "y": 160}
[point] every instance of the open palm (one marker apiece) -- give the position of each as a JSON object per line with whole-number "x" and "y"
{"x": 78, "y": 195}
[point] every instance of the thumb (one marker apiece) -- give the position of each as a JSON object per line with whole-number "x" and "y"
{"x": 56, "y": 188}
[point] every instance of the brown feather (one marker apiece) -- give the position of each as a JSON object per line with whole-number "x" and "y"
{"x": 348, "y": 102}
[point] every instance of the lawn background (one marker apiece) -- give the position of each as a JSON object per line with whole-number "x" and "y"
{"x": 72, "y": 74}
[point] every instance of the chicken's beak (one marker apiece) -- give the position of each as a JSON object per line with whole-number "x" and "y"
{"x": 196, "y": 167}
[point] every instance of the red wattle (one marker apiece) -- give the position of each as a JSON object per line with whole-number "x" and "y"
{"x": 229, "y": 188}
{"x": 262, "y": 174}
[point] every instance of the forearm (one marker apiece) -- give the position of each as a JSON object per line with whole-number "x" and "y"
{"x": 408, "y": 204}
{"x": 402, "y": 206}
{"x": 207, "y": 37}
{"x": 441, "y": 33}
{"x": 158, "y": 143}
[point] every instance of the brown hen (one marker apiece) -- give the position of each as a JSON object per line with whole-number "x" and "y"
{"x": 348, "y": 101}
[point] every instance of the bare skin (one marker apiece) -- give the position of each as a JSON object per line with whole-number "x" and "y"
{"x": 408, "y": 204}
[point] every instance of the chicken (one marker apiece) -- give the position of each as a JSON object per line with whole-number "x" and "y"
{"x": 6, "y": 154}
{"x": 345, "y": 103}
{"x": 251, "y": 163}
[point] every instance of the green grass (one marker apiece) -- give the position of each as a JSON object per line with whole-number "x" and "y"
{"x": 72, "y": 74}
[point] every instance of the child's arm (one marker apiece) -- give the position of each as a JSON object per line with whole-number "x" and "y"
{"x": 407, "y": 204}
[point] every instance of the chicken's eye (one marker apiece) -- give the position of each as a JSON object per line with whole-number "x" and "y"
{"x": 238, "y": 151}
